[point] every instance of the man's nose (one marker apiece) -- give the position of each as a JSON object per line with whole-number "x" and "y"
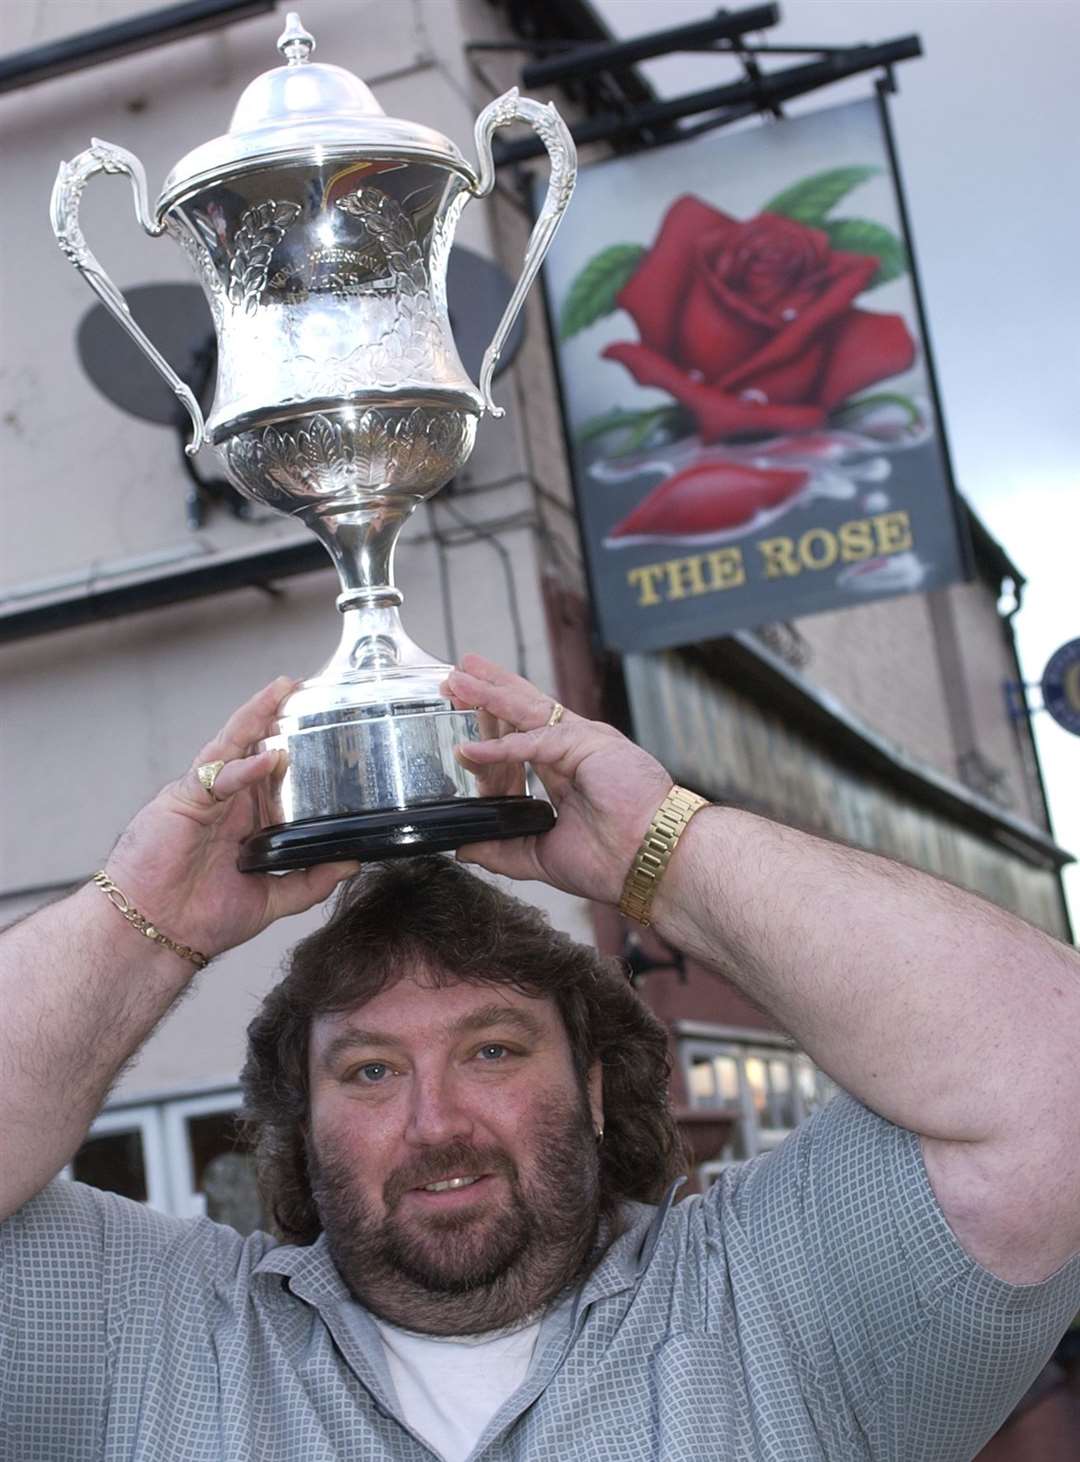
{"x": 436, "y": 1112}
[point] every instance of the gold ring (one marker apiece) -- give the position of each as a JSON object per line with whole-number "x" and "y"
{"x": 207, "y": 774}
{"x": 556, "y": 714}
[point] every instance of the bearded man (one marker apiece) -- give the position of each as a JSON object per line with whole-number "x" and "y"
{"x": 463, "y": 1143}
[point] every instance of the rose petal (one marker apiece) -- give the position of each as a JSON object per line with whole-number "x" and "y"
{"x": 796, "y": 382}
{"x": 849, "y": 274}
{"x": 719, "y": 413}
{"x": 711, "y": 339}
{"x": 755, "y": 274}
{"x": 710, "y": 497}
{"x": 655, "y": 292}
{"x": 864, "y": 347}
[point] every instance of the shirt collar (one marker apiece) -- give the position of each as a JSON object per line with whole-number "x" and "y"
{"x": 312, "y": 1274}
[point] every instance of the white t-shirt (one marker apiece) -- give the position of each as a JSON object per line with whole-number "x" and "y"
{"x": 450, "y": 1386}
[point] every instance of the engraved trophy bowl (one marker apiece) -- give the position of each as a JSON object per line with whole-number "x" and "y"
{"x": 320, "y": 230}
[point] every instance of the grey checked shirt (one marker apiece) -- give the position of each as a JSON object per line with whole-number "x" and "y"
{"x": 813, "y": 1305}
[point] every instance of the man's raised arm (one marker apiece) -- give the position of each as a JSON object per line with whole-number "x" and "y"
{"x": 81, "y": 988}
{"x": 938, "y": 1010}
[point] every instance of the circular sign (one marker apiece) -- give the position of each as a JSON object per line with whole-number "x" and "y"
{"x": 1061, "y": 686}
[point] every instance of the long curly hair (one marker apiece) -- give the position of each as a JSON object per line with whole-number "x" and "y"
{"x": 430, "y": 913}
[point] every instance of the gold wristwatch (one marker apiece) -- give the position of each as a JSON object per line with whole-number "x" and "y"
{"x": 654, "y": 855}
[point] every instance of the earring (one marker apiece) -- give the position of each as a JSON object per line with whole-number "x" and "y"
{"x": 599, "y": 1134}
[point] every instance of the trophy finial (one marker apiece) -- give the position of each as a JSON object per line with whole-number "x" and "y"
{"x": 295, "y": 43}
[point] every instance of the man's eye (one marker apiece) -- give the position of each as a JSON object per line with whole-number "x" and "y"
{"x": 493, "y": 1052}
{"x": 372, "y": 1072}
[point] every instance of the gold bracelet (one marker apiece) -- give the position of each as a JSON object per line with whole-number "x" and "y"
{"x": 654, "y": 855}
{"x": 143, "y": 925}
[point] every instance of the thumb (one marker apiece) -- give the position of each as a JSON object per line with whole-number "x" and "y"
{"x": 511, "y": 857}
{"x": 300, "y": 891}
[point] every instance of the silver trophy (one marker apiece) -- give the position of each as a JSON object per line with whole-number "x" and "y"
{"x": 320, "y": 230}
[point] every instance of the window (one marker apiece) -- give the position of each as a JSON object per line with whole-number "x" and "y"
{"x": 214, "y": 1173}
{"x": 766, "y": 1085}
{"x": 125, "y": 1153}
{"x": 185, "y": 1157}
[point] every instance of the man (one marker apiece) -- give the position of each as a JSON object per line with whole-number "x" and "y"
{"x": 472, "y": 1272}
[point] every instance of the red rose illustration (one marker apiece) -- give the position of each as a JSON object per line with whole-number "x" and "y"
{"x": 710, "y": 497}
{"x": 751, "y": 325}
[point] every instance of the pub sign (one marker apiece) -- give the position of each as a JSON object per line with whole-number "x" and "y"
{"x": 746, "y": 389}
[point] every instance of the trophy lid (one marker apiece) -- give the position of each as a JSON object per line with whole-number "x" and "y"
{"x": 305, "y": 109}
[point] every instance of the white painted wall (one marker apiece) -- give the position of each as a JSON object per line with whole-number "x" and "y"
{"x": 96, "y": 719}
{"x": 987, "y": 125}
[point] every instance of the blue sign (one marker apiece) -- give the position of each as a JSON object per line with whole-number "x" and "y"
{"x": 1061, "y": 686}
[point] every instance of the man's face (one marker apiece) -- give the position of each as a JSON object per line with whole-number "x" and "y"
{"x": 453, "y": 1153}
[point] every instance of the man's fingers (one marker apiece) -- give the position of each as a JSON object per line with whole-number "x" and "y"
{"x": 513, "y": 700}
{"x": 549, "y": 751}
{"x": 501, "y": 781}
{"x": 488, "y": 724}
{"x": 545, "y": 746}
{"x": 487, "y": 670}
{"x": 297, "y": 892}
{"x": 512, "y": 857}
{"x": 248, "y": 724}
{"x": 235, "y": 776}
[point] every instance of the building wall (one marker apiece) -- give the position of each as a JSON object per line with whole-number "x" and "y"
{"x": 928, "y": 671}
{"x": 97, "y": 718}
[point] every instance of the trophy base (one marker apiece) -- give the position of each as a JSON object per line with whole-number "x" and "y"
{"x": 394, "y": 832}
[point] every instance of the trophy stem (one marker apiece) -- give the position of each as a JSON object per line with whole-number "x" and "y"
{"x": 361, "y": 543}
{"x": 374, "y": 647}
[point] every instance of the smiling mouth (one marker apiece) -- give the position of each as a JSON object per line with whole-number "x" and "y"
{"x": 447, "y": 1185}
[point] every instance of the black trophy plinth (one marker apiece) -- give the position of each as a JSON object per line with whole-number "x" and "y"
{"x": 393, "y": 832}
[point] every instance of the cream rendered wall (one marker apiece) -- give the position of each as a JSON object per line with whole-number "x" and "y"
{"x": 96, "y": 719}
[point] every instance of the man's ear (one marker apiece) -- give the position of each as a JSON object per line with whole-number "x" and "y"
{"x": 595, "y": 1085}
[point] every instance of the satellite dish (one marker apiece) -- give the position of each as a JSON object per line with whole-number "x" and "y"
{"x": 477, "y": 292}
{"x": 177, "y": 320}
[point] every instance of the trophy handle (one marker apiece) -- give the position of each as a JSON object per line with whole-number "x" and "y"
{"x": 555, "y": 135}
{"x": 104, "y": 157}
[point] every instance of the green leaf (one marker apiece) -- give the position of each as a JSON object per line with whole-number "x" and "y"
{"x": 593, "y": 292}
{"x": 810, "y": 200}
{"x": 863, "y": 236}
{"x": 852, "y": 410}
{"x": 635, "y": 426}
{"x": 597, "y": 426}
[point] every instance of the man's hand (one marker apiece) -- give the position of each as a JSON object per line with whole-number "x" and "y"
{"x": 176, "y": 862}
{"x": 604, "y": 788}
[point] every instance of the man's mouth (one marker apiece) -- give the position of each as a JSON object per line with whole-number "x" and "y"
{"x": 446, "y": 1184}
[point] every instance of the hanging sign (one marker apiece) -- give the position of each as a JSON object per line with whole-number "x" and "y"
{"x": 746, "y": 389}
{"x": 1061, "y": 686}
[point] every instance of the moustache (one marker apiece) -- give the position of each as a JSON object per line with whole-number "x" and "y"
{"x": 454, "y": 1160}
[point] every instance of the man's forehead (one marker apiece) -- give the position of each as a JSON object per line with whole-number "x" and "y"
{"x": 427, "y": 1000}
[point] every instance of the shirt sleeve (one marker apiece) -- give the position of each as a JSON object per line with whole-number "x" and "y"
{"x": 75, "y": 1263}
{"x": 890, "y": 1320}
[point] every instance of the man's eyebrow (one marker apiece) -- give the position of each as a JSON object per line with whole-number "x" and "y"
{"x": 485, "y": 1018}
{"x": 496, "y": 1014}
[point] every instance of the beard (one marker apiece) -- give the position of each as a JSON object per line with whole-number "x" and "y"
{"x": 484, "y": 1265}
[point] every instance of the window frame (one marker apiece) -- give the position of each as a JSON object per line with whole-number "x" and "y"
{"x": 696, "y": 1041}
{"x": 188, "y": 1201}
{"x": 147, "y": 1121}
{"x": 167, "y": 1156}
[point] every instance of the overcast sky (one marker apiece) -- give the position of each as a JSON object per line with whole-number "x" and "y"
{"x": 987, "y": 123}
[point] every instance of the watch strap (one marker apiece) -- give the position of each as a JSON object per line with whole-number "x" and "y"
{"x": 654, "y": 855}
